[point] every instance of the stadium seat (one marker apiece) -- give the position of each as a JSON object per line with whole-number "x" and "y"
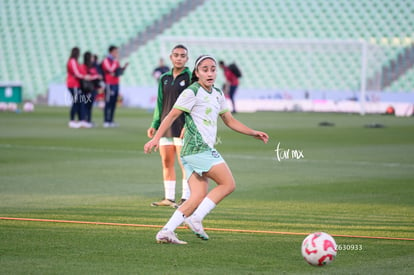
{"x": 56, "y": 26}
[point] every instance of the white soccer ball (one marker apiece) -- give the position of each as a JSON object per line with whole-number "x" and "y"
{"x": 28, "y": 107}
{"x": 319, "y": 249}
{"x": 3, "y": 106}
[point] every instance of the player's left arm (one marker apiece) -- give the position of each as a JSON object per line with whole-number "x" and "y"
{"x": 237, "y": 126}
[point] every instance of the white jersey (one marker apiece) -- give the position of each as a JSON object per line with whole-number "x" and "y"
{"x": 202, "y": 109}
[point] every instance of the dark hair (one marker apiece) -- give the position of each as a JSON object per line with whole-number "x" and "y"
{"x": 180, "y": 46}
{"x": 87, "y": 59}
{"x": 75, "y": 52}
{"x": 194, "y": 77}
{"x": 221, "y": 63}
{"x": 111, "y": 48}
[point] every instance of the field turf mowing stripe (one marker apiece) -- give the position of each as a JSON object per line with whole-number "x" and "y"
{"x": 210, "y": 229}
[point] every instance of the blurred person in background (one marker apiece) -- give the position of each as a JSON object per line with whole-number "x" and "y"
{"x": 160, "y": 70}
{"x": 232, "y": 83}
{"x": 89, "y": 87}
{"x": 74, "y": 76}
{"x": 112, "y": 71}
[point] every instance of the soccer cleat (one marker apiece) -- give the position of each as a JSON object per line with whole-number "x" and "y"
{"x": 165, "y": 236}
{"x": 165, "y": 202}
{"x": 74, "y": 124}
{"x": 85, "y": 124}
{"x": 196, "y": 227}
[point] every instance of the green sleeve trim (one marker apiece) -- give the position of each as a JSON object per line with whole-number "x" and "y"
{"x": 224, "y": 111}
{"x": 181, "y": 108}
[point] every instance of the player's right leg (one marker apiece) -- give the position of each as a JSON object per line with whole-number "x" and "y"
{"x": 167, "y": 236}
{"x": 199, "y": 188}
{"x": 167, "y": 153}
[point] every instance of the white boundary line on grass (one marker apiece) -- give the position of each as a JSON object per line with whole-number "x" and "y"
{"x": 231, "y": 156}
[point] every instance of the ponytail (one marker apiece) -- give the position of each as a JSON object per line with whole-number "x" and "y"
{"x": 194, "y": 77}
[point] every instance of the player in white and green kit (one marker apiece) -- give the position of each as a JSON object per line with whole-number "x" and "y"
{"x": 201, "y": 104}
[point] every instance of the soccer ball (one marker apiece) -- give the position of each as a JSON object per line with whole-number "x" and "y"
{"x": 3, "y": 106}
{"x": 28, "y": 107}
{"x": 319, "y": 249}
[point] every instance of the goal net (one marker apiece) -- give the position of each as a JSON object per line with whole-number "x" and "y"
{"x": 307, "y": 68}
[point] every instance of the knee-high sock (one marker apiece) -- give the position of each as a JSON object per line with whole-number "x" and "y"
{"x": 203, "y": 209}
{"x": 176, "y": 219}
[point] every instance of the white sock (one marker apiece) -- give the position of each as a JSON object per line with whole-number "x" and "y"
{"x": 176, "y": 219}
{"x": 203, "y": 209}
{"x": 169, "y": 188}
{"x": 186, "y": 190}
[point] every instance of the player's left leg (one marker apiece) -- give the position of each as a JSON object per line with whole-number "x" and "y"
{"x": 222, "y": 175}
{"x": 232, "y": 94}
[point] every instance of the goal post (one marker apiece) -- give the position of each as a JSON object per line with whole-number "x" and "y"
{"x": 314, "y": 66}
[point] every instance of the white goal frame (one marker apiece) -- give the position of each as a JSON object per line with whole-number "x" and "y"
{"x": 353, "y": 45}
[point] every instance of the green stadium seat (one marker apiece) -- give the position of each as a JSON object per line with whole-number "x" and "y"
{"x": 61, "y": 22}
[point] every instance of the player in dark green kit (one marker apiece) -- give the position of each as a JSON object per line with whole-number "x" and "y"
{"x": 170, "y": 86}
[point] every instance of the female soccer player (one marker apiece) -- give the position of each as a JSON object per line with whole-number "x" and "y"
{"x": 201, "y": 103}
{"x": 171, "y": 84}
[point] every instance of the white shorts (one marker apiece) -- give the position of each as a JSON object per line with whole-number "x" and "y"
{"x": 171, "y": 141}
{"x": 201, "y": 162}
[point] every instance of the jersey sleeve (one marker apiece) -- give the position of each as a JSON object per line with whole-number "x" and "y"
{"x": 185, "y": 101}
{"x": 223, "y": 104}
{"x": 156, "y": 119}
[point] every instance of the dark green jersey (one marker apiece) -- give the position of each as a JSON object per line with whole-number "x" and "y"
{"x": 168, "y": 91}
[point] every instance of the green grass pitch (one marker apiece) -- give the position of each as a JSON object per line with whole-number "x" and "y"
{"x": 350, "y": 180}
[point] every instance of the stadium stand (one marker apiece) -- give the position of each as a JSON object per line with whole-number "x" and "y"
{"x": 37, "y": 37}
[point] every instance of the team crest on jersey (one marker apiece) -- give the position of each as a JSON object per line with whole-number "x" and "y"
{"x": 215, "y": 154}
{"x": 182, "y": 83}
{"x": 166, "y": 82}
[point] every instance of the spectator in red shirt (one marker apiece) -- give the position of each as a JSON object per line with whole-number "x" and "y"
{"x": 232, "y": 82}
{"x": 112, "y": 71}
{"x": 74, "y": 75}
